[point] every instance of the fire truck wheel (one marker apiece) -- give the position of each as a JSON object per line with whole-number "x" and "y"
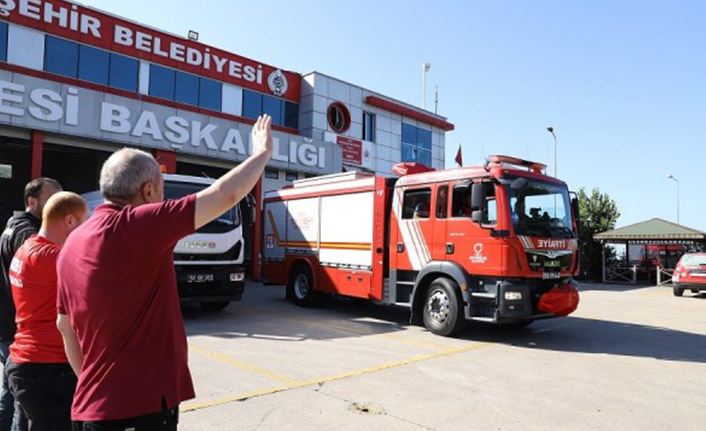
{"x": 214, "y": 306}
{"x": 678, "y": 291}
{"x": 301, "y": 287}
{"x": 443, "y": 314}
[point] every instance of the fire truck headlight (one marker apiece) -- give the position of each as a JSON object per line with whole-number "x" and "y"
{"x": 513, "y": 296}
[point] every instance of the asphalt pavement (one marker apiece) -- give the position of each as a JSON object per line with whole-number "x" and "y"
{"x": 630, "y": 358}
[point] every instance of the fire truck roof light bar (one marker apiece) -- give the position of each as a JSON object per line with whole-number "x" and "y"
{"x": 498, "y": 161}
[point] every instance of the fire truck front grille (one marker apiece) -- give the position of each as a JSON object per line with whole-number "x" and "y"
{"x": 232, "y": 254}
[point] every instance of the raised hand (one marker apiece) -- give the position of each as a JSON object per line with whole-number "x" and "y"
{"x": 261, "y": 136}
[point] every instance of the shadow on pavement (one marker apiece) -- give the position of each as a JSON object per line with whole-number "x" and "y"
{"x": 267, "y": 315}
{"x": 593, "y": 336}
{"x": 584, "y": 287}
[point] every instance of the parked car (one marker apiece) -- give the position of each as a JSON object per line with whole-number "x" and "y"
{"x": 690, "y": 273}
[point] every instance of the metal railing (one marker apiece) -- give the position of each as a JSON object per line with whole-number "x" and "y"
{"x": 664, "y": 276}
{"x": 620, "y": 274}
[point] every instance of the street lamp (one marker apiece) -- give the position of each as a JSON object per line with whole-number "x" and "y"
{"x": 550, "y": 129}
{"x": 673, "y": 178}
{"x": 425, "y": 68}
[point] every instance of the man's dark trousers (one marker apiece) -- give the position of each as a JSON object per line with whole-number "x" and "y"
{"x": 44, "y": 393}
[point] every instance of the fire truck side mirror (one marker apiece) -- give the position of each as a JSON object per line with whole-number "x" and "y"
{"x": 477, "y": 196}
{"x": 478, "y": 216}
{"x": 252, "y": 208}
{"x": 575, "y": 208}
{"x": 478, "y": 203}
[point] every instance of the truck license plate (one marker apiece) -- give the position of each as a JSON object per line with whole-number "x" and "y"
{"x": 199, "y": 278}
{"x": 551, "y": 275}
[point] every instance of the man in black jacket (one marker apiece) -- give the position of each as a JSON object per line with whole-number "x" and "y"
{"x": 19, "y": 228}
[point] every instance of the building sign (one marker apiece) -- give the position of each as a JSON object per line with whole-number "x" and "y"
{"x": 99, "y": 29}
{"x": 50, "y": 106}
{"x": 352, "y": 150}
{"x": 355, "y": 151}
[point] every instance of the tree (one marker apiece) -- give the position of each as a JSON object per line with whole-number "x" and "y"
{"x": 598, "y": 214}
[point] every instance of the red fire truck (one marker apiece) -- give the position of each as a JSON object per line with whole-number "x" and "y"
{"x": 494, "y": 243}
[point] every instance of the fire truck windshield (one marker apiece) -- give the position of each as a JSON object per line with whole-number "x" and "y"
{"x": 224, "y": 223}
{"x": 541, "y": 208}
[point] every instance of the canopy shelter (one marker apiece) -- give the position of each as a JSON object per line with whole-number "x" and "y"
{"x": 654, "y": 243}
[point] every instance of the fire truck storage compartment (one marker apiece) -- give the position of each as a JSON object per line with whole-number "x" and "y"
{"x": 298, "y": 223}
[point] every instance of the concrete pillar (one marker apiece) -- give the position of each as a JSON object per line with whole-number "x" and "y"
{"x": 166, "y": 159}
{"x": 37, "y": 149}
{"x": 257, "y": 234}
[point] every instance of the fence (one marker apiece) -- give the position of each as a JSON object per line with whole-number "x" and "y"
{"x": 664, "y": 276}
{"x": 620, "y": 274}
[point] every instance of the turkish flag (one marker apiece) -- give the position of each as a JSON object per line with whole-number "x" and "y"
{"x": 459, "y": 157}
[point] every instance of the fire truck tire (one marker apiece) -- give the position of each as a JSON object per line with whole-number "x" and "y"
{"x": 214, "y": 306}
{"x": 443, "y": 310}
{"x": 301, "y": 287}
{"x": 678, "y": 291}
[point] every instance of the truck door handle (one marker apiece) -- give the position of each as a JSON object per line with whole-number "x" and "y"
{"x": 449, "y": 248}
{"x": 400, "y": 247}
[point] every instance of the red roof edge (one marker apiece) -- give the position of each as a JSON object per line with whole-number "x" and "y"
{"x": 407, "y": 112}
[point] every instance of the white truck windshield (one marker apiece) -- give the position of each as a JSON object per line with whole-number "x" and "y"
{"x": 224, "y": 223}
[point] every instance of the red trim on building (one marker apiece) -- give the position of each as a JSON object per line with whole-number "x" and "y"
{"x": 156, "y": 45}
{"x": 167, "y": 159}
{"x": 408, "y": 112}
{"x": 37, "y": 149}
{"x": 257, "y": 234}
{"x": 135, "y": 96}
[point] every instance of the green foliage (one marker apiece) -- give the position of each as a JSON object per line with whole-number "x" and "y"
{"x": 599, "y": 213}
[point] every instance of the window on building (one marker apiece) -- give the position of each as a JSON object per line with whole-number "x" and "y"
{"x": 416, "y": 144}
{"x": 252, "y": 104}
{"x": 161, "y": 82}
{"x": 283, "y": 113}
{"x": 123, "y": 72}
{"x": 291, "y": 115}
{"x": 3, "y": 41}
{"x": 210, "y": 94}
{"x": 273, "y": 107}
{"x": 368, "y": 126}
{"x": 442, "y": 202}
{"x": 61, "y": 56}
{"x": 292, "y": 176}
{"x": 416, "y": 204}
{"x": 272, "y": 174}
{"x": 93, "y": 65}
{"x": 186, "y": 88}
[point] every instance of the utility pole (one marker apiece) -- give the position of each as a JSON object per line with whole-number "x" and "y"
{"x": 673, "y": 178}
{"x": 425, "y": 68}
{"x": 436, "y": 99}
{"x": 550, "y": 129}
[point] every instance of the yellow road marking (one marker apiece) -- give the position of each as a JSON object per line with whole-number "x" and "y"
{"x": 244, "y": 365}
{"x": 300, "y": 384}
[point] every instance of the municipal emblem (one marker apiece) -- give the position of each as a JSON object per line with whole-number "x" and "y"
{"x": 277, "y": 83}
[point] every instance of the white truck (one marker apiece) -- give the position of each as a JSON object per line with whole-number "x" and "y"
{"x": 208, "y": 263}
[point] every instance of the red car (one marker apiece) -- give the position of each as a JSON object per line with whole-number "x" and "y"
{"x": 690, "y": 273}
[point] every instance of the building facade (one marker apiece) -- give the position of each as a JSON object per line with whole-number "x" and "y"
{"x": 77, "y": 83}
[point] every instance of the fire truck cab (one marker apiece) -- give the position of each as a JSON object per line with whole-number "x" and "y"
{"x": 494, "y": 243}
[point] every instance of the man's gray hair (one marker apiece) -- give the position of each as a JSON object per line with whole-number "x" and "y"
{"x": 124, "y": 173}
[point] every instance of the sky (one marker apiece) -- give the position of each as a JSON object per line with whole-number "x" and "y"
{"x": 622, "y": 83}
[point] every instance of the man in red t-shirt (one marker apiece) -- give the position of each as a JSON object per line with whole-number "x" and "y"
{"x": 117, "y": 302}
{"x": 40, "y": 376}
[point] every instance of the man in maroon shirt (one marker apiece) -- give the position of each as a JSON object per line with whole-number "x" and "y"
{"x": 117, "y": 301}
{"x": 41, "y": 379}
